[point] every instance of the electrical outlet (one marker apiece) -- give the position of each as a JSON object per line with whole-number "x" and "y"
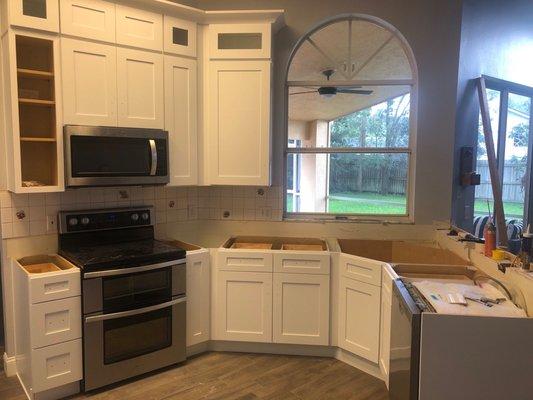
{"x": 266, "y": 212}
{"x": 51, "y": 223}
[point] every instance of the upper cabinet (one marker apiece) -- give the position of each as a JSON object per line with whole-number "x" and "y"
{"x": 240, "y": 41}
{"x": 89, "y": 83}
{"x": 139, "y": 28}
{"x": 91, "y": 19}
{"x": 179, "y": 36}
{"x": 140, "y": 88}
{"x": 34, "y": 14}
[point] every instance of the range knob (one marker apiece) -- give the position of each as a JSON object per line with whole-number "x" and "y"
{"x": 73, "y": 221}
{"x": 135, "y": 217}
{"x": 145, "y": 216}
{"x": 85, "y": 221}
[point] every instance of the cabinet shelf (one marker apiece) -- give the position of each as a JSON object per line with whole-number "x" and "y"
{"x": 37, "y": 102}
{"x": 33, "y": 73}
{"x": 37, "y": 139}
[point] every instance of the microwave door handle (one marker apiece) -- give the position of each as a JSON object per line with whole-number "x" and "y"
{"x": 153, "y": 152}
{"x": 122, "y": 314}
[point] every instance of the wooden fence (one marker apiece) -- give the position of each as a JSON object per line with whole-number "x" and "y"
{"x": 346, "y": 180}
{"x": 514, "y": 175}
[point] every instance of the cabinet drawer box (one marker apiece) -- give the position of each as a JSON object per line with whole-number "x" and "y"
{"x": 361, "y": 269}
{"x": 302, "y": 263}
{"x": 56, "y": 365}
{"x": 55, "y": 286}
{"x": 245, "y": 261}
{"x": 55, "y": 322}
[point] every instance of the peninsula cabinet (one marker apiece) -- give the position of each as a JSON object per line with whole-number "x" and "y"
{"x": 35, "y": 14}
{"x": 239, "y": 122}
{"x": 198, "y": 294}
{"x": 32, "y": 95}
{"x": 244, "y": 306}
{"x": 181, "y": 119}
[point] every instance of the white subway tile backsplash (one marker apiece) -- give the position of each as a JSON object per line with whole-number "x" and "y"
{"x": 37, "y": 213}
{"x": 21, "y": 228}
{"x": 5, "y": 200}
{"x": 52, "y": 199}
{"x": 37, "y": 199}
{"x": 7, "y": 230}
{"x": 37, "y": 228}
{"x": 6, "y": 215}
{"x": 20, "y": 200}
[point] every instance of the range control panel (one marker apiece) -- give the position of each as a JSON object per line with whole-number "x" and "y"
{"x": 95, "y": 220}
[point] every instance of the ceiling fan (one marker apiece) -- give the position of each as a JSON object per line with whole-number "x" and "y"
{"x": 330, "y": 91}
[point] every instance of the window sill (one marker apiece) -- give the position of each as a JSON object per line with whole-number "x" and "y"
{"x": 385, "y": 220}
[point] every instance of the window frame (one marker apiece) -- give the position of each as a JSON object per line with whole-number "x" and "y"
{"x": 505, "y": 88}
{"x": 408, "y": 217}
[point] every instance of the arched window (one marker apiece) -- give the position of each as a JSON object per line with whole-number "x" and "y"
{"x": 351, "y": 96}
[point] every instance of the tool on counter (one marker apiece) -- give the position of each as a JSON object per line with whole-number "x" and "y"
{"x": 479, "y": 300}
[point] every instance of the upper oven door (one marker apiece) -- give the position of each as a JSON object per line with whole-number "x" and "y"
{"x": 103, "y": 156}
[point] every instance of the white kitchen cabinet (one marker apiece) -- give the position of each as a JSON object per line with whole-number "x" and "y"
{"x": 239, "y": 122}
{"x": 88, "y": 19}
{"x": 301, "y": 309}
{"x": 306, "y": 262}
{"x": 140, "y": 89}
{"x": 34, "y": 14}
{"x": 179, "y": 36}
{"x": 244, "y": 260}
{"x": 359, "y": 318}
{"x": 198, "y": 296}
{"x": 139, "y": 28}
{"x": 89, "y": 83}
{"x": 244, "y": 306}
{"x": 240, "y": 41}
{"x": 385, "y": 325}
{"x": 181, "y": 119}
{"x": 361, "y": 269}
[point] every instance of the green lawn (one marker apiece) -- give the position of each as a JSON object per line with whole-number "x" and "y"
{"x": 363, "y": 203}
{"x": 512, "y": 210}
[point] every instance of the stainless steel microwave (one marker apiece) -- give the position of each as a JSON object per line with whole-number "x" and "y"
{"x": 109, "y": 156}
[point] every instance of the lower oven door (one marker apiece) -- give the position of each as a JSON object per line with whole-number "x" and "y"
{"x": 129, "y": 343}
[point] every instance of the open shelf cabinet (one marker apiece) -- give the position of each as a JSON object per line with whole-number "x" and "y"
{"x": 35, "y": 131}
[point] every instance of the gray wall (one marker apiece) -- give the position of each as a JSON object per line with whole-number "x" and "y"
{"x": 496, "y": 40}
{"x": 432, "y": 27}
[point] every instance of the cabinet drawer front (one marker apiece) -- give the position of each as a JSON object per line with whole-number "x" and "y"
{"x": 179, "y": 36}
{"x": 245, "y": 261}
{"x": 139, "y": 28}
{"x": 361, "y": 269}
{"x": 55, "y": 287}
{"x": 55, "y": 322}
{"x": 239, "y": 41}
{"x": 56, "y": 365}
{"x": 42, "y": 15}
{"x": 302, "y": 263}
{"x": 88, "y": 19}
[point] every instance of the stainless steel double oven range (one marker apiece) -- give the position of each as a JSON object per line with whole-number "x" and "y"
{"x": 133, "y": 290}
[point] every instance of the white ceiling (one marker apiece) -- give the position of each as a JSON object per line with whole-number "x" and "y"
{"x": 369, "y": 53}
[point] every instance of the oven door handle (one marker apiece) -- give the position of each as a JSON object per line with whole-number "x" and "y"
{"x": 130, "y": 313}
{"x": 132, "y": 270}
{"x": 153, "y": 152}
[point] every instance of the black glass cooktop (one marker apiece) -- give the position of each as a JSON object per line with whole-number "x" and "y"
{"x": 121, "y": 255}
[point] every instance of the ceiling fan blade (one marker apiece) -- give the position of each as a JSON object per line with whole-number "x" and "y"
{"x": 309, "y": 91}
{"x": 354, "y": 91}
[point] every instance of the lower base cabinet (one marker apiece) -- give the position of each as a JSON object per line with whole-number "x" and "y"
{"x": 244, "y": 306}
{"x": 301, "y": 309}
{"x": 359, "y": 318}
{"x": 198, "y": 294}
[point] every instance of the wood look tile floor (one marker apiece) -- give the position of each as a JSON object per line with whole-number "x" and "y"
{"x": 240, "y": 376}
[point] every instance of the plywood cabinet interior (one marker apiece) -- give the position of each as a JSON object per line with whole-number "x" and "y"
{"x": 140, "y": 89}
{"x": 198, "y": 295}
{"x": 244, "y": 306}
{"x": 139, "y": 28}
{"x": 359, "y": 318}
{"x": 89, "y": 83}
{"x": 34, "y": 14}
{"x": 239, "y": 122}
{"x": 301, "y": 309}
{"x": 181, "y": 119}
{"x": 88, "y": 19}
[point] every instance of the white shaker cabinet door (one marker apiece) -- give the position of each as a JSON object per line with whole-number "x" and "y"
{"x": 301, "y": 309}
{"x": 140, "y": 89}
{"x": 89, "y": 83}
{"x": 139, "y": 28}
{"x": 198, "y": 296}
{"x": 181, "y": 119}
{"x": 89, "y": 19}
{"x": 239, "y": 123}
{"x": 34, "y": 14}
{"x": 359, "y": 317}
{"x": 244, "y": 305}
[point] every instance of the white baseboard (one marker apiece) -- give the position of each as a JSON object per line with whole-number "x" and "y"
{"x": 10, "y": 365}
{"x": 290, "y": 349}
